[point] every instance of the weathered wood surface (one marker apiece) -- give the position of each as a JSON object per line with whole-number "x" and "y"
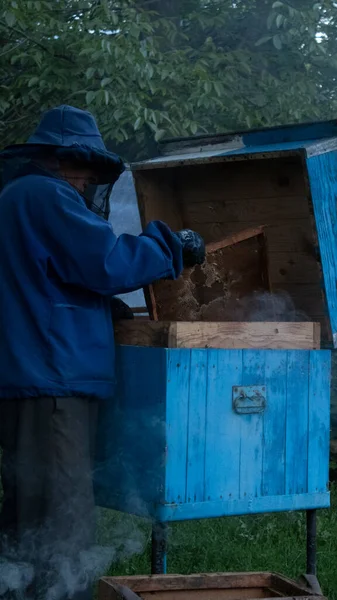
{"x": 228, "y": 586}
{"x": 322, "y": 178}
{"x": 273, "y": 335}
{"x": 205, "y": 447}
{"x": 235, "y": 238}
{"x": 222, "y": 199}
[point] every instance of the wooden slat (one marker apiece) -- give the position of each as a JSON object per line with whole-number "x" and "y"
{"x": 263, "y": 210}
{"x": 291, "y": 267}
{"x": 202, "y": 581}
{"x": 195, "y": 485}
{"x": 242, "y": 594}
{"x": 234, "y": 238}
{"x": 283, "y": 235}
{"x": 297, "y": 423}
{"x": 259, "y": 335}
{"x": 319, "y": 421}
{"x": 251, "y": 428}
{"x": 255, "y": 179}
{"x": 222, "y": 454}
{"x": 275, "y": 424}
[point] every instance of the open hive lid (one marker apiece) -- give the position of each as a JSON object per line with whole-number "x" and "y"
{"x": 224, "y": 185}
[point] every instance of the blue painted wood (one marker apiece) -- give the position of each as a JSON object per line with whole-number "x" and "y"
{"x": 297, "y": 422}
{"x": 222, "y": 455}
{"x": 195, "y": 483}
{"x": 251, "y": 428}
{"x": 236, "y": 507}
{"x": 322, "y": 172}
{"x": 275, "y": 424}
{"x": 177, "y": 403}
{"x": 172, "y": 432}
{"x": 319, "y": 421}
{"x": 291, "y": 133}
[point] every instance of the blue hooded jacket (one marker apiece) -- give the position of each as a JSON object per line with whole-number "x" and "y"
{"x": 59, "y": 265}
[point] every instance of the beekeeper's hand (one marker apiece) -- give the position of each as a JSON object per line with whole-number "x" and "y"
{"x": 120, "y": 310}
{"x": 194, "y": 252}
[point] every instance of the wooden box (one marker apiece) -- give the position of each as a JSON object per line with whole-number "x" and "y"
{"x": 230, "y": 415}
{"x": 215, "y": 586}
{"x": 282, "y": 179}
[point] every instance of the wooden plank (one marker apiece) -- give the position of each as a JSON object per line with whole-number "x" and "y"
{"x": 222, "y": 454}
{"x": 262, "y": 210}
{"x": 297, "y": 422}
{"x": 242, "y": 594}
{"x": 158, "y": 198}
{"x": 319, "y": 421}
{"x": 322, "y": 177}
{"x": 177, "y": 403}
{"x": 251, "y": 428}
{"x": 283, "y": 235}
{"x": 275, "y": 424}
{"x": 291, "y": 267}
{"x": 235, "y": 335}
{"x": 234, "y": 238}
{"x": 257, "y": 179}
{"x": 202, "y": 581}
{"x": 196, "y": 427}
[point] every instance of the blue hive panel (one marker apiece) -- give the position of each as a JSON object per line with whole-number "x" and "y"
{"x": 206, "y": 433}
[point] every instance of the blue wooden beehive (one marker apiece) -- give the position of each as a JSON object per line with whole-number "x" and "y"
{"x": 206, "y": 432}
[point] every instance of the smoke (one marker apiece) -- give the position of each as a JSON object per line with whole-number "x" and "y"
{"x": 267, "y": 306}
{"x": 54, "y": 574}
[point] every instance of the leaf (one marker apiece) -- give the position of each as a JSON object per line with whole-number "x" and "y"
{"x": 278, "y": 4}
{"x": 89, "y": 97}
{"x": 263, "y": 40}
{"x": 159, "y": 134}
{"x": 277, "y": 41}
{"x": 106, "y": 81}
{"x": 106, "y": 96}
{"x": 279, "y": 21}
{"x": 137, "y": 123}
{"x": 194, "y": 128}
{"x": 90, "y": 72}
{"x": 32, "y": 81}
{"x": 10, "y": 18}
{"x": 218, "y": 88}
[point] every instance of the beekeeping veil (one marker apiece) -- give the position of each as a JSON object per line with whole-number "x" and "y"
{"x": 67, "y": 134}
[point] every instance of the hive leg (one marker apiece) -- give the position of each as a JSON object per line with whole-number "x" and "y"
{"x": 159, "y": 548}
{"x": 311, "y": 542}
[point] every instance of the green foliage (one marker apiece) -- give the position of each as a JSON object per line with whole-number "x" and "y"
{"x": 153, "y": 69}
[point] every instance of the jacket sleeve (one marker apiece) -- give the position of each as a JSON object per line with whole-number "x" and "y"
{"x": 84, "y": 251}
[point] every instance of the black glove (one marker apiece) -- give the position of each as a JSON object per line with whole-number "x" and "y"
{"x": 120, "y": 310}
{"x": 194, "y": 252}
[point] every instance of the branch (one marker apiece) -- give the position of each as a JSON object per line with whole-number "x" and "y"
{"x": 35, "y": 42}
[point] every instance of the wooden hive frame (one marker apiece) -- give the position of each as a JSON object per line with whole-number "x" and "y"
{"x": 213, "y": 586}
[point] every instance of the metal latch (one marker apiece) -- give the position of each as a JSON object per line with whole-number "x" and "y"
{"x": 249, "y": 399}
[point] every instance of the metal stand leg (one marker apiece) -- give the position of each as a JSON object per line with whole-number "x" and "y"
{"x": 159, "y": 548}
{"x": 311, "y": 542}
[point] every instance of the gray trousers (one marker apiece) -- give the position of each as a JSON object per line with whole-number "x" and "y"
{"x": 47, "y": 519}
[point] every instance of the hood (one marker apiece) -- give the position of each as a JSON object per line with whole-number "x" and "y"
{"x": 69, "y": 134}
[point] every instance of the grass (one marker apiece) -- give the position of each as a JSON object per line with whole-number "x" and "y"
{"x": 254, "y": 543}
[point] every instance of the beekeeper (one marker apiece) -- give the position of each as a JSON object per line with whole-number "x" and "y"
{"x": 60, "y": 265}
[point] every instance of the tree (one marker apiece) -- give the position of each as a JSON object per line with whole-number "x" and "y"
{"x": 149, "y": 69}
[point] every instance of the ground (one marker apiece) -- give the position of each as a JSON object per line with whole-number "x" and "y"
{"x": 275, "y": 543}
